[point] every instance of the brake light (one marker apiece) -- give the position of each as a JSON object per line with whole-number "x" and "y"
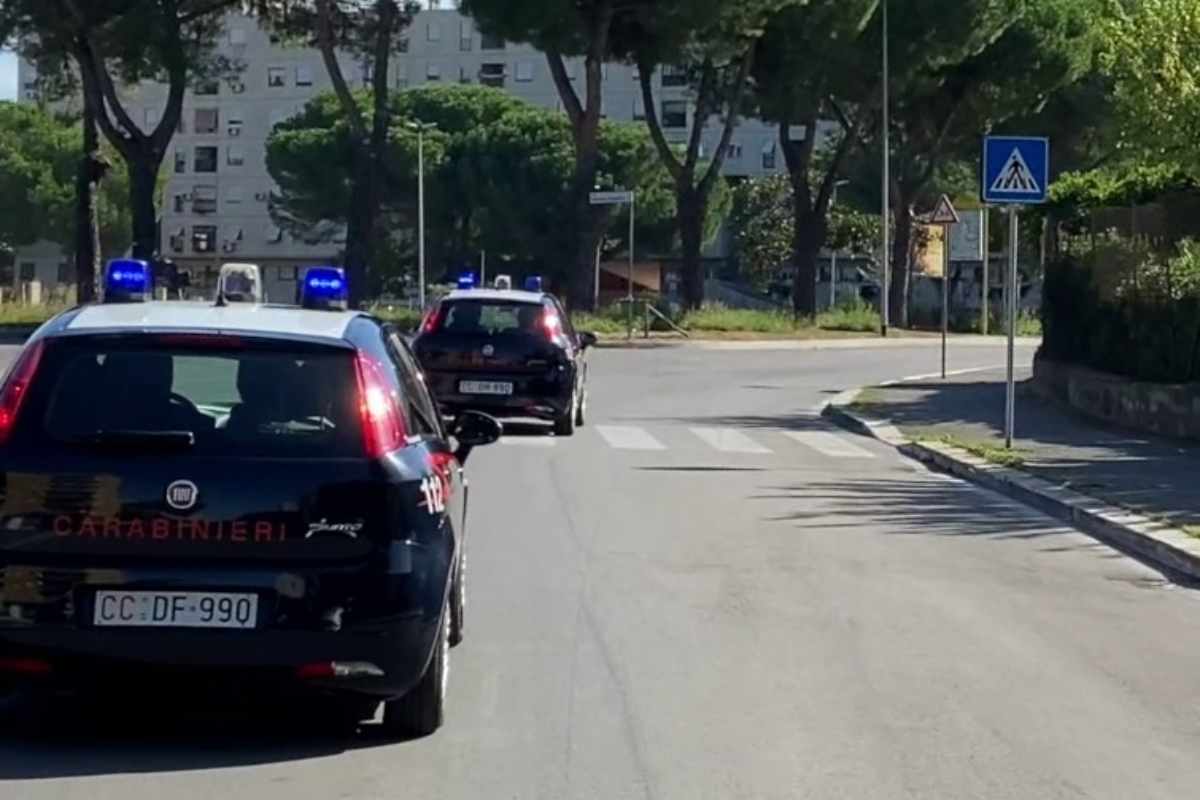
{"x": 25, "y": 666}
{"x": 16, "y": 386}
{"x": 432, "y": 320}
{"x": 383, "y": 427}
{"x": 552, "y": 324}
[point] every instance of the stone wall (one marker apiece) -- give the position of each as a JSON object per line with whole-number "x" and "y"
{"x": 1160, "y": 408}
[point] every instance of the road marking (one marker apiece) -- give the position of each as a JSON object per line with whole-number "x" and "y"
{"x": 625, "y": 437}
{"x": 938, "y": 374}
{"x": 829, "y": 444}
{"x": 729, "y": 440}
{"x": 529, "y": 441}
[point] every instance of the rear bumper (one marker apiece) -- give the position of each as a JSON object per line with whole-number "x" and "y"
{"x": 543, "y": 397}
{"x": 308, "y": 617}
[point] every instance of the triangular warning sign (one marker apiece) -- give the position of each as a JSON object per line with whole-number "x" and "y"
{"x": 944, "y": 214}
{"x": 1016, "y": 177}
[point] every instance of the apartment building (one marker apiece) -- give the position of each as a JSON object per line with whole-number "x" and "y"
{"x": 215, "y": 205}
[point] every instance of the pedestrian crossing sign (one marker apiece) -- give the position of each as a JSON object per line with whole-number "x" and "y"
{"x": 1016, "y": 169}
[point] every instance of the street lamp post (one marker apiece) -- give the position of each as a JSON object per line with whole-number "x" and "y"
{"x": 833, "y": 276}
{"x": 887, "y": 180}
{"x": 420, "y": 128}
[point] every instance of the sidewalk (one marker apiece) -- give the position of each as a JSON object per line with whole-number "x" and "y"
{"x": 1158, "y": 478}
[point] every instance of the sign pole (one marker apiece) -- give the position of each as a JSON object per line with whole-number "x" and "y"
{"x": 945, "y": 292}
{"x": 1011, "y": 313}
{"x": 629, "y": 310}
{"x": 987, "y": 255}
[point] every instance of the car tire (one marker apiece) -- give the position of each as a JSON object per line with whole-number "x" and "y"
{"x": 458, "y": 603}
{"x": 565, "y": 424}
{"x": 421, "y": 711}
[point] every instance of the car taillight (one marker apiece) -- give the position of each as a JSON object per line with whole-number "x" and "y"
{"x": 382, "y": 424}
{"x": 432, "y": 320}
{"x": 443, "y": 465}
{"x": 552, "y": 324}
{"x": 16, "y": 386}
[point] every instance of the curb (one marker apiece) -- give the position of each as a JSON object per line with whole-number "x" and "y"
{"x": 1162, "y": 546}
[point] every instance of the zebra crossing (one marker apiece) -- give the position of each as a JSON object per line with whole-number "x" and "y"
{"x": 830, "y": 443}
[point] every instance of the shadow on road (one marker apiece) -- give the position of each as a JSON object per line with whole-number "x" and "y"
{"x": 53, "y": 737}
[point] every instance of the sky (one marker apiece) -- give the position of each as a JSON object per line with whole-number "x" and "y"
{"x": 8, "y": 75}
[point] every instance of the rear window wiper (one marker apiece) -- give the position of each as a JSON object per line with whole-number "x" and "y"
{"x": 153, "y": 440}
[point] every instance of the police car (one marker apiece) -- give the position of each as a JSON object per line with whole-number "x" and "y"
{"x": 236, "y": 491}
{"x": 507, "y": 352}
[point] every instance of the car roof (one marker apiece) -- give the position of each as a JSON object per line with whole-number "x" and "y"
{"x": 177, "y": 315}
{"x": 511, "y": 295}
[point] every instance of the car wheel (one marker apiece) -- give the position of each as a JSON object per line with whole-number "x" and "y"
{"x": 565, "y": 424}
{"x": 421, "y": 711}
{"x": 458, "y": 603}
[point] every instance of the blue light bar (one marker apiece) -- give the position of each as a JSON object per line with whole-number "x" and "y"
{"x": 533, "y": 283}
{"x": 467, "y": 280}
{"x": 325, "y": 288}
{"x": 126, "y": 280}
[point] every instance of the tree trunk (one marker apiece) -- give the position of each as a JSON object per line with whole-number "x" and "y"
{"x": 87, "y": 227}
{"x": 691, "y": 209}
{"x": 143, "y": 179}
{"x": 360, "y": 226}
{"x": 901, "y": 264}
{"x": 588, "y": 227}
{"x": 808, "y": 236}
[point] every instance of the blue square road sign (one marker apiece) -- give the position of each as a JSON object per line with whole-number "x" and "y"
{"x": 1016, "y": 169}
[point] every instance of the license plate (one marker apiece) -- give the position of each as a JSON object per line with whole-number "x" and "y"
{"x": 175, "y": 609}
{"x": 485, "y": 387}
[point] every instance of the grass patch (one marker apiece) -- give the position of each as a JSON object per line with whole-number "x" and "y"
{"x": 869, "y": 397}
{"x": 992, "y": 453}
{"x": 727, "y": 320}
{"x": 12, "y": 314}
{"x": 1192, "y": 530}
{"x": 1029, "y": 324}
{"x": 407, "y": 319}
{"x": 856, "y": 316}
{"x": 605, "y": 322}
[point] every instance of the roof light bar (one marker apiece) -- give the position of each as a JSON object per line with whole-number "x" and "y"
{"x": 533, "y": 283}
{"x": 504, "y": 281}
{"x": 239, "y": 283}
{"x": 467, "y": 280}
{"x": 325, "y": 288}
{"x": 127, "y": 280}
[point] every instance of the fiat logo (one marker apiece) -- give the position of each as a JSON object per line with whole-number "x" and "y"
{"x": 182, "y": 495}
{"x": 488, "y": 350}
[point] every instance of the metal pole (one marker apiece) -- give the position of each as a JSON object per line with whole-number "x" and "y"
{"x": 421, "y": 215}
{"x": 833, "y": 262}
{"x": 596, "y": 279}
{"x": 945, "y": 292}
{"x": 887, "y": 175}
{"x": 987, "y": 257}
{"x": 629, "y": 298}
{"x": 483, "y": 267}
{"x": 1013, "y": 291}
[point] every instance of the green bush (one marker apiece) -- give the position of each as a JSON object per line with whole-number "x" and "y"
{"x": 15, "y": 315}
{"x": 407, "y": 319}
{"x": 1140, "y": 320}
{"x": 856, "y": 315}
{"x": 716, "y": 317}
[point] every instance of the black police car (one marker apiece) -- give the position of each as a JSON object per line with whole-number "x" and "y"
{"x": 509, "y": 353}
{"x": 231, "y": 493}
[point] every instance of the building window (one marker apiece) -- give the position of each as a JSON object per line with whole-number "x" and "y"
{"x": 304, "y": 75}
{"x": 206, "y": 159}
{"x": 28, "y": 270}
{"x": 178, "y": 203}
{"x": 674, "y": 114}
{"x": 433, "y": 32}
{"x": 402, "y": 75}
{"x": 733, "y": 152}
{"x": 235, "y": 195}
{"x": 208, "y": 120}
{"x": 204, "y": 200}
{"x": 235, "y": 155}
{"x": 674, "y": 76}
{"x": 492, "y": 75}
{"x": 433, "y": 72}
{"x": 491, "y": 42}
{"x": 65, "y": 272}
{"x": 524, "y": 71}
{"x": 180, "y": 161}
{"x": 291, "y": 274}
{"x": 402, "y": 45}
{"x": 276, "y": 77}
{"x": 466, "y": 36}
{"x": 207, "y": 86}
{"x": 176, "y": 240}
{"x": 463, "y": 75}
{"x": 768, "y": 156}
{"x": 204, "y": 238}
{"x": 233, "y": 125}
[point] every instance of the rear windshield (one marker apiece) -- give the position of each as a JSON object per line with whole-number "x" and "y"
{"x": 242, "y": 401}
{"x": 490, "y": 317}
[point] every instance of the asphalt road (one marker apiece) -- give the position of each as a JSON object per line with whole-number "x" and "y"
{"x": 710, "y": 593}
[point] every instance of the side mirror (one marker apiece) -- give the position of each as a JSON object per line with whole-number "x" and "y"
{"x": 587, "y": 339}
{"x": 472, "y": 429}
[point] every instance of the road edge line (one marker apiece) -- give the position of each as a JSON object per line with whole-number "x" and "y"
{"x": 1158, "y": 544}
